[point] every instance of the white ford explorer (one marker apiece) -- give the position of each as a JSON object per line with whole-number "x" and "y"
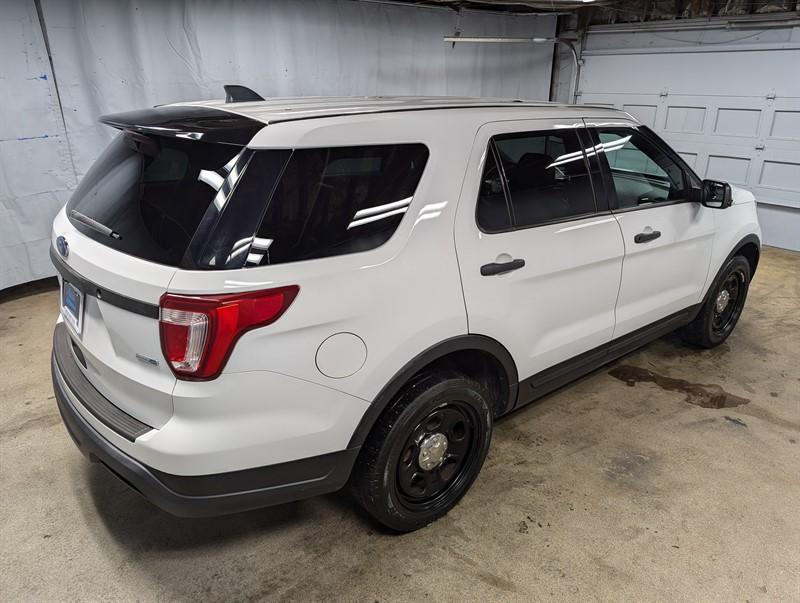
{"x": 264, "y": 301}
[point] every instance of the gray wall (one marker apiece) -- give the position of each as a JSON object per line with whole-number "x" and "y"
{"x": 727, "y": 99}
{"x": 115, "y": 56}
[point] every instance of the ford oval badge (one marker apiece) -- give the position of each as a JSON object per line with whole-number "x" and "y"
{"x": 62, "y": 246}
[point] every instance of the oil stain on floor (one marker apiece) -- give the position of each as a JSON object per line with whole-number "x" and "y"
{"x": 707, "y": 396}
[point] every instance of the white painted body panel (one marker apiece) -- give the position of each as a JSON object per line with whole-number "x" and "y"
{"x": 272, "y": 403}
{"x": 400, "y": 298}
{"x": 666, "y": 275}
{"x": 731, "y": 226}
{"x": 242, "y": 420}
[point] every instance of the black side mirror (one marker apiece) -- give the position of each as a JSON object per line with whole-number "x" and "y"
{"x": 716, "y": 194}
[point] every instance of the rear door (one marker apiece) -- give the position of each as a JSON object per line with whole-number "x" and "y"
{"x": 668, "y": 238}
{"x": 540, "y": 256}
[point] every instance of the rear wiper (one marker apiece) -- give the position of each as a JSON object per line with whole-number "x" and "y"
{"x": 94, "y": 224}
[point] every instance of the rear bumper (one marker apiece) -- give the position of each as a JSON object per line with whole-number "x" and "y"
{"x": 198, "y": 495}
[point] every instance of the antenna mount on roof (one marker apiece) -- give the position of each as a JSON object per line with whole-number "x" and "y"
{"x": 240, "y": 94}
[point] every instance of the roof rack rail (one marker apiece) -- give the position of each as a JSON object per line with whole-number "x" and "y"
{"x": 235, "y": 93}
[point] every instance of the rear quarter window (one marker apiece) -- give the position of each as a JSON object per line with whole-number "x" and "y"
{"x": 338, "y": 200}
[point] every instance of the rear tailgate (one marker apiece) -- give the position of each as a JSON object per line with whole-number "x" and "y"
{"x": 119, "y": 338}
{"x": 159, "y": 187}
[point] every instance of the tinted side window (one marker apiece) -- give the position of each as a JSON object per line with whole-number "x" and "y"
{"x": 642, "y": 172}
{"x": 333, "y": 201}
{"x": 692, "y": 178}
{"x": 546, "y": 176}
{"x": 492, "y": 211}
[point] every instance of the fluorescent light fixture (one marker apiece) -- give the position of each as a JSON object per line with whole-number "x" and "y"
{"x": 490, "y": 40}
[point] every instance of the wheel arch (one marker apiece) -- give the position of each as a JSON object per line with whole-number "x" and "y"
{"x": 475, "y": 353}
{"x": 750, "y": 248}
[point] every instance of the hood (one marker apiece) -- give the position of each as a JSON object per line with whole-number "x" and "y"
{"x": 741, "y": 195}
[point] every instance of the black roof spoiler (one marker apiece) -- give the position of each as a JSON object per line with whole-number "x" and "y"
{"x": 234, "y": 93}
{"x": 191, "y": 122}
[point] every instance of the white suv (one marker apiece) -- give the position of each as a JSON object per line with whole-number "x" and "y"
{"x": 265, "y": 301}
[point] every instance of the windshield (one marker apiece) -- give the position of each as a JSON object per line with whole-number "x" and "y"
{"x": 146, "y": 195}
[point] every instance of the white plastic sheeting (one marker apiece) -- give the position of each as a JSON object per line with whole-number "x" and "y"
{"x": 36, "y": 172}
{"x": 117, "y": 56}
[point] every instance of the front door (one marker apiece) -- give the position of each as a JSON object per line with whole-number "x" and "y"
{"x": 668, "y": 238}
{"x": 540, "y": 257}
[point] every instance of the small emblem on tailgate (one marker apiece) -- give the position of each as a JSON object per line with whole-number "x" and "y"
{"x": 147, "y": 360}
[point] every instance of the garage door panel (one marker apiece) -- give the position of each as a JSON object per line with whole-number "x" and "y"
{"x": 747, "y": 141}
{"x": 780, "y": 174}
{"x": 776, "y": 178}
{"x": 776, "y": 196}
{"x": 685, "y": 119}
{"x": 738, "y": 139}
{"x": 731, "y": 117}
{"x": 785, "y": 124}
{"x": 782, "y": 127}
{"x": 621, "y": 101}
{"x": 737, "y": 122}
{"x": 646, "y": 114}
{"x": 728, "y": 168}
{"x": 732, "y": 113}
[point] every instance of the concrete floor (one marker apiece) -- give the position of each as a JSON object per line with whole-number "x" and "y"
{"x": 619, "y": 486}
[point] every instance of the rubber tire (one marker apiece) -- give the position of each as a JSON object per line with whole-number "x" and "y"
{"x": 699, "y": 332}
{"x": 373, "y": 480}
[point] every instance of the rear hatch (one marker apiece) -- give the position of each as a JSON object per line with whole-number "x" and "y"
{"x": 162, "y": 183}
{"x": 178, "y": 192}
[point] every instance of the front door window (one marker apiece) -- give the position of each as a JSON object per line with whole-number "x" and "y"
{"x": 642, "y": 172}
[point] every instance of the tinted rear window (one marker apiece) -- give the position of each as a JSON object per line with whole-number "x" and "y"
{"x": 217, "y": 206}
{"x": 333, "y": 201}
{"x": 146, "y": 195}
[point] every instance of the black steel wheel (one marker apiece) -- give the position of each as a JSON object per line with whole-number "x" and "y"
{"x": 723, "y": 306}
{"x": 729, "y": 301}
{"x": 425, "y": 451}
{"x": 436, "y": 454}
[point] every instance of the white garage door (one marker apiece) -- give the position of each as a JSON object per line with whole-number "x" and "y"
{"x": 729, "y": 103}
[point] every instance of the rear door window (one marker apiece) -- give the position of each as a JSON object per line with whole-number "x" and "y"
{"x": 546, "y": 177}
{"x": 337, "y": 200}
{"x": 493, "y": 213}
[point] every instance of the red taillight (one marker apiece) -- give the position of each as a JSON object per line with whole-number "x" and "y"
{"x": 198, "y": 332}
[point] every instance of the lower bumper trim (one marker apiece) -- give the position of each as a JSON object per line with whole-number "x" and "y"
{"x": 207, "y": 495}
{"x": 96, "y": 403}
